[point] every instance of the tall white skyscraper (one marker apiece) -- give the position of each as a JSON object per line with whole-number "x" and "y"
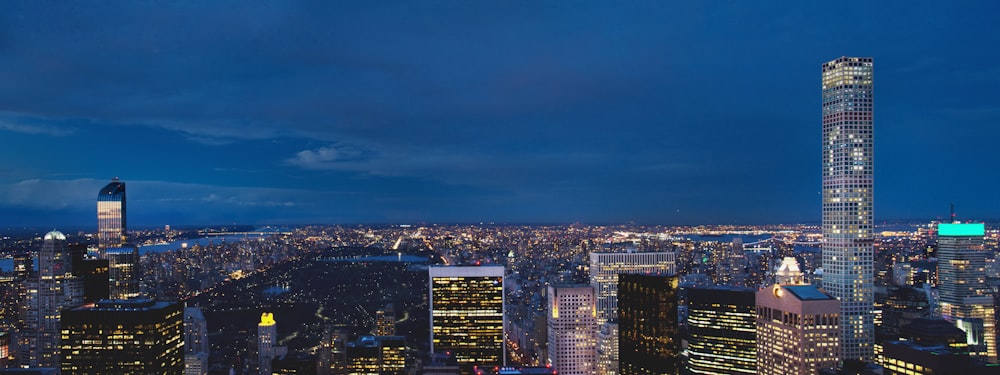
{"x": 848, "y": 163}
{"x": 572, "y": 325}
{"x": 54, "y": 290}
{"x": 604, "y": 271}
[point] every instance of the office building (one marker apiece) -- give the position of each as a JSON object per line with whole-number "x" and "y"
{"x": 848, "y": 165}
{"x": 138, "y": 336}
{"x": 648, "y": 330}
{"x": 965, "y": 298}
{"x": 112, "y": 242}
{"x": 331, "y": 357}
{"x": 467, "y": 314}
{"x": 721, "y": 331}
{"x": 123, "y": 277}
{"x": 376, "y": 355}
{"x": 111, "y": 228}
{"x": 385, "y": 321}
{"x": 196, "y": 348}
{"x": 930, "y": 346}
{"x": 604, "y": 270}
{"x": 798, "y": 330}
{"x": 267, "y": 341}
{"x": 572, "y": 329}
{"x": 53, "y": 290}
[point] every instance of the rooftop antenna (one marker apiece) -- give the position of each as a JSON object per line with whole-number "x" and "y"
{"x": 952, "y": 212}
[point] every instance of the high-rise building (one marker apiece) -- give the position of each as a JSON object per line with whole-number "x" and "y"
{"x": 381, "y": 355}
{"x": 267, "y": 339}
{"x": 648, "y": 330}
{"x": 111, "y": 228}
{"x": 112, "y": 241}
{"x": 572, "y": 325}
{"x": 196, "y": 348}
{"x": 604, "y": 270}
{"x": 721, "y": 331}
{"x": 52, "y": 291}
{"x": 385, "y": 321}
{"x": 123, "y": 277}
{"x": 798, "y": 330}
{"x": 137, "y": 336}
{"x": 848, "y": 163}
{"x": 467, "y": 314}
{"x": 331, "y": 356}
{"x": 965, "y": 298}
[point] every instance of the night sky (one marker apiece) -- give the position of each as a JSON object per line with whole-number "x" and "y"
{"x": 656, "y": 112}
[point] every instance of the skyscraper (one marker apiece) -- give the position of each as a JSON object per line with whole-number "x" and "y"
{"x": 467, "y": 314}
{"x": 195, "y": 342}
{"x": 572, "y": 325}
{"x": 111, "y": 228}
{"x": 604, "y": 271}
{"x": 137, "y": 336}
{"x": 112, "y": 242}
{"x": 798, "y": 330}
{"x": 848, "y": 162}
{"x": 966, "y": 299}
{"x": 648, "y": 330}
{"x": 721, "y": 331}
{"x": 54, "y": 290}
{"x": 267, "y": 338}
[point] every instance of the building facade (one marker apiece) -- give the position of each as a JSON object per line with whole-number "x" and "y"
{"x": 798, "y": 330}
{"x": 604, "y": 270}
{"x": 648, "y": 330}
{"x": 572, "y": 329}
{"x": 721, "y": 331}
{"x": 467, "y": 314}
{"x": 196, "y": 348}
{"x": 965, "y": 298}
{"x": 52, "y": 290}
{"x": 267, "y": 340}
{"x": 136, "y": 336}
{"x": 848, "y": 175}
{"x": 111, "y": 225}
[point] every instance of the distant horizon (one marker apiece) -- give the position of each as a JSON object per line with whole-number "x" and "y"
{"x": 84, "y": 228}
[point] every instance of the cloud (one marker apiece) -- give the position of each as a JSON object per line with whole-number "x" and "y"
{"x": 36, "y": 129}
{"x": 336, "y": 156}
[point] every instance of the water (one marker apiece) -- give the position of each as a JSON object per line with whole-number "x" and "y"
{"x": 747, "y": 238}
{"x": 179, "y": 244}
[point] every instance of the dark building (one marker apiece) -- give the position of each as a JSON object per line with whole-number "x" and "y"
{"x": 648, "y": 333}
{"x": 721, "y": 331}
{"x": 94, "y": 273}
{"x": 903, "y": 304}
{"x": 123, "y": 337}
{"x": 931, "y": 346}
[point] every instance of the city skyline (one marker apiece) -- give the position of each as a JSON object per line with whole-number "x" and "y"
{"x": 273, "y": 113}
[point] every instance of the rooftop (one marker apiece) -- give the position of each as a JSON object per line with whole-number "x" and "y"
{"x": 808, "y": 292}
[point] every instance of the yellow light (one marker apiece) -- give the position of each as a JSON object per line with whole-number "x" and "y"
{"x": 267, "y": 319}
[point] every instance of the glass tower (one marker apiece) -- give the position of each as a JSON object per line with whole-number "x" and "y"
{"x": 111, "y": 216}
{"x": 648, "y": 330}
{"x": 848, "y": 146}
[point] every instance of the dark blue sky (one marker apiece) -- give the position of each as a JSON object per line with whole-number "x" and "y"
{"x": 509, "y": 111}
